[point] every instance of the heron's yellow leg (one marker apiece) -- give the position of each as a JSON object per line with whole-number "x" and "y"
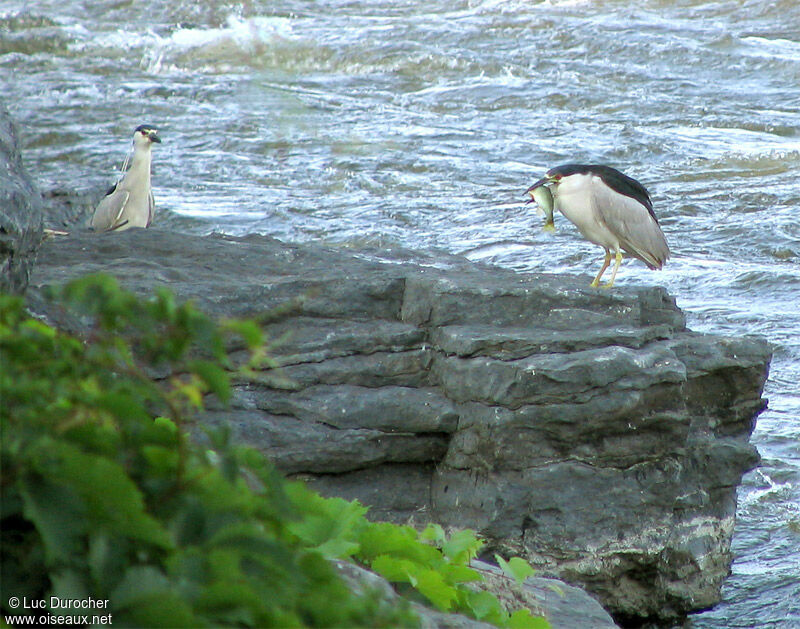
{"x": 617, "y": 262}
{"x": 606, "y": 262}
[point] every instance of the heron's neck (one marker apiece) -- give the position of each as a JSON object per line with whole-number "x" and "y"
{"x": 138, "y": 175}
{"x": 141, "y": 159}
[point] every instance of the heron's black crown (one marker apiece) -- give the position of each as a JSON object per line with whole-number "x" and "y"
{"x": 617, "y": 181}
{"x": 148, "y": 131}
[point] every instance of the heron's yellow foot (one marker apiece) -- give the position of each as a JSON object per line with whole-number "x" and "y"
{"x": 617, "y": 262}
{"x": 596, "y": 281}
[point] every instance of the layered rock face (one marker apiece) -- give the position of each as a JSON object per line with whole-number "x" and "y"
{"x": 587, "y": 430}
{"x": 20, "y": 213}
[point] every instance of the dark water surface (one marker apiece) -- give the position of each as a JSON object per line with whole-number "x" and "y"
{"x": 421, "y": 123}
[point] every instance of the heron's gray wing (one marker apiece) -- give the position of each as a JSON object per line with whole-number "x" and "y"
{"x": 632, "y": 223}
{"x": 151, "y": 208}
{"x": 108, "y": 214}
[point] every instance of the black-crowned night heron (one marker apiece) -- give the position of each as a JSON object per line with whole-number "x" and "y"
{"x": 130, "y": 202}
{"x": 609, "y": 209}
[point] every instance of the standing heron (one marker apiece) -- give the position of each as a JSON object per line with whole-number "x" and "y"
{"x": 130, "y": 202}
{"x": 609, "y": 209}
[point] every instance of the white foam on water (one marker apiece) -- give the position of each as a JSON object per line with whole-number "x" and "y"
{"x": 235, "y": 42}
{"x": 247, "y": 34}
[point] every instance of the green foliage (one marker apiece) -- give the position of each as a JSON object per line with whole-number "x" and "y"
{"x": 437, "y": 567}
{"x": 516, "y": 568}
{"x": 104, "y": 493}
{"x": 427, "y": 566}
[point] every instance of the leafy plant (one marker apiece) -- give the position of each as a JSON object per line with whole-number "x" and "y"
{"x": 105, "y": 494}
{"x": 515, "y": 567}
{"x": 428, "y": 566}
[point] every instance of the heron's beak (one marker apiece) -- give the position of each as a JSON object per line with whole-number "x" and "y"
{"x": 154, "y": 138}
{"x": 543, "y": 181}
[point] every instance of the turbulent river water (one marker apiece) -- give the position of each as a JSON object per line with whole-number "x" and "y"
{"x": 422, "y": 122}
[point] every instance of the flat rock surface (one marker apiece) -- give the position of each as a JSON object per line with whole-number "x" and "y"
{"x": 587, "y": 430}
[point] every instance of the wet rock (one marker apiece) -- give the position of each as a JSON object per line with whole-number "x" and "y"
{"x": 20, "y": 212}
{"x": 562, "y": 604}
{"x": 587, "y": 430}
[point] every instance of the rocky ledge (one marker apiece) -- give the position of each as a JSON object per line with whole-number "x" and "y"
{"x": 587, "y": 430}
{"x": 21, "y": 216}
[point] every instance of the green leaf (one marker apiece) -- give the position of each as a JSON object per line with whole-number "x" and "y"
{"x": 516, "y": 567}
{"x": 522, "y": 619}
{"x": 104, "y": 487}
{"x": 214, "y": 377}
{"x": 426, "y": 581}
{"x": 378, "y": 538}
{"x": 485, "y": 606}
{"x": 331, "y": 525}
{"x": 231, "y": 603}
{"x": 166, "y": 423}
{"x": 433, "y": 586}
{"x": 163, "y": 460}
{"x": 455, "y": 573}
{"x": 58, "y": 514}
{"x": 146, "y": 597}
{"x": 434, "y": 533}
{"x": 395, "y": 569}
{"x": 250, "y": 331}
{"x": 338, "y": 548}
{"x": 462, "y": 546}
{"x": 122, "y": 404}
